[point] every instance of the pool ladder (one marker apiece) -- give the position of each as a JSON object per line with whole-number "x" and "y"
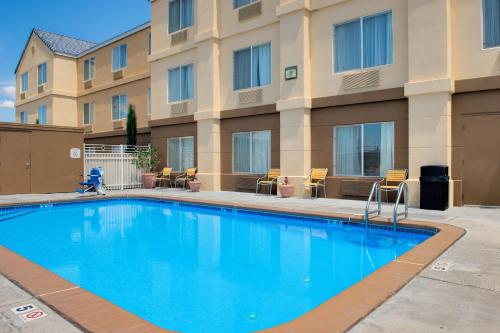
{"x": 375, "y": 195}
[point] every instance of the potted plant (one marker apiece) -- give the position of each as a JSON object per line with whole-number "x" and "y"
{"x": 195, "y": 184}
{"x": 147, "y": 160}
{"x": 286, "y": 188}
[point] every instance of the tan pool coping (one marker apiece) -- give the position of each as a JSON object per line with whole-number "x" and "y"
{"x": 92, "y": 313}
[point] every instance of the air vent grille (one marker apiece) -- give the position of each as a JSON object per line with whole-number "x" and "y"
{"x": 250, "y": 96}
{"x": 250, "y": 11}
{"x": 178, "y": 37}
{"x": 361, "y": 80}
{"x": 178, "y": 108}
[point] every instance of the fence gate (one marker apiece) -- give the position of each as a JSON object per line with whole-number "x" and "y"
{"x": 117, "y": 163}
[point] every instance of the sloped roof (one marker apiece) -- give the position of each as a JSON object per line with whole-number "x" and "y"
{"x": 63, "y": 45}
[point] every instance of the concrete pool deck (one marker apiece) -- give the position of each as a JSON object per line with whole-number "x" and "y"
{"x": 463, "y": 299}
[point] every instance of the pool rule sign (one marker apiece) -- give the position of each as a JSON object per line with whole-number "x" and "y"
{"x": 28, "y": 312}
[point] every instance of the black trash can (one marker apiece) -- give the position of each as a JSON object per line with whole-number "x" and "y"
{"x": 434, "y": 187}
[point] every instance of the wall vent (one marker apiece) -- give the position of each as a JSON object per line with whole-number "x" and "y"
{"x": 250, "y": 11}
{"x": 178, "y": 108}
{"x": 88, "y": 128}
{"x": 118, "y": 74}
{"x": 41, "y": 89}
{"x": 250, "y": 96}
{"x": 178, "y": 37}
{"x": 361, "y": 80}
{"x": 88, "y": 84}
{"x": 23, "y": 95}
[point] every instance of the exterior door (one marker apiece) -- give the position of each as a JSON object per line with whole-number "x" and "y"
{"x": 481, "y": 178}
{"x": 14, "y": 162}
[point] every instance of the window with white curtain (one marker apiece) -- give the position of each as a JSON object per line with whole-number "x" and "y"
{"x": 241, "y": 3}
{"x": 180, "y": 83}
{"x": 89, "y": 69}
{"x": 119, "y": 57}
{"x": 180, "y": 153}
{"x": 88, "y": 113}
{"x": 491, "y": 23}
{"x": 119, "y": 107}
{"x": 42, "y": 73}
{"x": 24, "y": 82}
{"x": 180, "y": 15}
{"x": 23, "y": 117}
{"x": 364, "y": 149}
{"x": 252, "y": 67}
{"x": 42, "y": 114}
{"x": 364, "y": 42}
{"x": 252, "y": 152}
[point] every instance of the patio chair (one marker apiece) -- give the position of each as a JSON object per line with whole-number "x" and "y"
{"x": 316, "y": 179}
{"x": 189, "y": 174}
{"x": 94, "y": 182}
{"x": 164, "y": 175}
{"x": 269, "y": 180}
{"x": 393, "y": 178}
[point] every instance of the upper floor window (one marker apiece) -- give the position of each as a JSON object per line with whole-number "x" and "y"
{"x": 180, "y": 153}
{"x": 364, "y": 149}
{"x": 88, "y": 113}
{"x": 252, "y": 67}
{"x": 252, "y": 152}
{"x": 42, "y": 114}
{"x": 149, "y": 43}
{"x": 42, "y": 73}
{"x": 149, "y": 101}
{"x": 364, "y": 42}
{"x": 491, "y": 23}
{"x": 23, "y": 117}
{"x": 180, "y": 83}
{"x": 119, "y": 107}
{"x": 180, "y": 15}
{"x": 89, "y": 68}
{"x": 24, "y": 82}
{"x": 241, "y": 3}
{"x": 119, "y": 57}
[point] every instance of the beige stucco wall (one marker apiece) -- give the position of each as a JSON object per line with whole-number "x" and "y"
{"x": 32, "y": 109}
{"x": 325, "y": 81}
{"x": 137, "y": 96}
{"x": 470, "y": 60}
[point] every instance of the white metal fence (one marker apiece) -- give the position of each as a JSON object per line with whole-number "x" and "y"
{"x": 117, "y": 163}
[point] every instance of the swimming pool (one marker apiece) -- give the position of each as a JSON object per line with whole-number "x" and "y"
{"x": 193, "y": 268}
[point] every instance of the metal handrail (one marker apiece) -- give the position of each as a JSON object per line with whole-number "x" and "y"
{"x": 402, "y": 189}
{"x": 374, "y": 192}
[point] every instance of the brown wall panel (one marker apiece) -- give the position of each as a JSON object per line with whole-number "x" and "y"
{"x": 143, "y": 139}
{"x": 323, "y": 121}
{"x": 246, "y": 124}
{"x": 160, "y": 134}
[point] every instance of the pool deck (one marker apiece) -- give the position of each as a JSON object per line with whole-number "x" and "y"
{"x": 465, "y": 298}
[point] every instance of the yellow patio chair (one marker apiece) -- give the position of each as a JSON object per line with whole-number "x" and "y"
{"x": 393, "y": 178}
{"x": 269, "y": 180}
{"x": 316, "y": 179}
{"x": 164, "y": 175}
{"x": 189, "y": 174}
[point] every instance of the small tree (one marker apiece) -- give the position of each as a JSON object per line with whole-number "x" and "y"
{"x": 147, "y": 159}
{"x": 131, "y": 126}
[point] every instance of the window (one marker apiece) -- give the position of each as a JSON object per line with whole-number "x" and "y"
{"x": 24, "y": 82}
{"x": 88, "y": 113}
{"x": 149, "y": 43}
{"x": 42, "y": 73}
{"x": 89, "y": 69}
{"x": 364, "y": 150}
{"x": 241, "y": 3}
{"x": 42, "y": 114}
{"x": 119, "y": 57}
{"x": 180, "y": 15}
{"x": 119, "y": 107}
{"x": 149, "y": 101}
{"x": 364, "y": 42}
{"x": 491, "y": 23}
{"x": 23, "y": 116}
{"x": 180, "y": 153}
{"x": 252, "y": 152}
{"x": 252, "y": 67}
{"x": 180, "y": 83}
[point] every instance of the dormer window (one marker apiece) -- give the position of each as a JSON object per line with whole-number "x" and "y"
{"x": 180, "y": 15}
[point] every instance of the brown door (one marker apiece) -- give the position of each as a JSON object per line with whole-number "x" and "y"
{"x": 481, "y": 178}
{"x": 14, "y": 162}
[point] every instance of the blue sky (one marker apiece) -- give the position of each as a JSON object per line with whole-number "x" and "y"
{"x": 93, "y": 20}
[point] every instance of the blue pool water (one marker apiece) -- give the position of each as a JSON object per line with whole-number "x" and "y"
{"x": 201, "y": 269}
